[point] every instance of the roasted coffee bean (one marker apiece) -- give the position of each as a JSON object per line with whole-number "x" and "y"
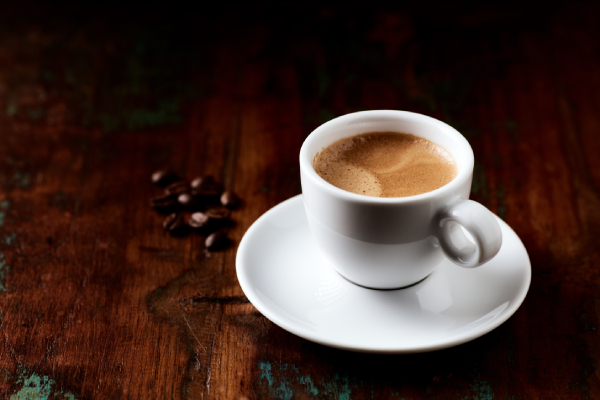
{"x": 163, "y": 178}
{"x": 166, "y": 204}
{"x": 230, "y": 200}
{"x": 175, "y": 225}
{"x": 177, "y": 188}
{"x": 189, "y": 202}
{"x": 199, "y": 220}
{"x": 216, "y": 241}
{"x": 209, "y": 221}
{"x": 207, "y": 187}
{"x": 181, "y": 196}
{"x": 218, "y": 213}
{"x": 212, "y": 190}
{"x": 203, "y": 180}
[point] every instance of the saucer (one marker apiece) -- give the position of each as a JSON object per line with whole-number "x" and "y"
{"x": 286, "y": 278}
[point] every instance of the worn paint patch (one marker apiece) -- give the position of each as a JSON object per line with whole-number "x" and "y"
{"x": 483, "y": 391}
{"x": 278, "y": 382}
{"x": 10, "y": 239}
{"x": 280, "y": 389}
{"x": 265, "y": 367}
{"x": 284, "y": 381}
{"x": 340, "y": 386}
{"x": 306, "y": 381}
{"x": 21, "y": 179}
{"x": 4, "y": 270}
{"x": 36, "y": 387}
{"x": 3, "y": 206}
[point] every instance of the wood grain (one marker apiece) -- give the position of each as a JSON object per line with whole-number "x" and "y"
{"x": 98, "y": 302}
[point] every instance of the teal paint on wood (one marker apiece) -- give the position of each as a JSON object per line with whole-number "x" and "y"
{"x": 36, "y": 387}
{"x": 265, "y": 367}
{"x": 339, "y": 385}
{"x": 307, "y": 382}
{"x": 483, "y": 391}
{"x": 10, "y": 239}
{"x": 21, "y": 179}
{"x": 4, "y": 270}
{"x": 278, "y": 382}
{"x": 18, "y": 179}
{"x": 3, "y": 206}
{"x": 279, "y": 392}
{"x": 284, "y": 381}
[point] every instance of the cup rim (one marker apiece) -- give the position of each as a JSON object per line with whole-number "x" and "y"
{"x": 464, "y": 173}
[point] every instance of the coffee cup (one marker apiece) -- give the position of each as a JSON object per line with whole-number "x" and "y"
{"x": 390, "y": 243}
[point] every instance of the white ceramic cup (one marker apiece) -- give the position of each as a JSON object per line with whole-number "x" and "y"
{"x": 387, "y": 243}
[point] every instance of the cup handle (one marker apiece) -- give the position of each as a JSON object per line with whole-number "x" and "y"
{"x": 480, "y": 223}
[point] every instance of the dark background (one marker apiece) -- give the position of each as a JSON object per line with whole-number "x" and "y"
{"x": 96, "y": 301}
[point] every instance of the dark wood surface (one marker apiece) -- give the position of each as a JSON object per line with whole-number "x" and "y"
{"x": 98, "y": 302}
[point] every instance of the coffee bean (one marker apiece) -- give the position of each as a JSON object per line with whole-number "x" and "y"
{"x": 181, "y": 196}
{"x": 199, "y": 220}
{"x": 207, "y": 187}
{"x": 177, "y": 188}
{"x": 175, "y": 225}
{"x": 209, "y": 221}
{"x": 203, "y": 180}
{"x": 166, "y": 204}
{"x": 216, "y": 241}
{"x": 212, "y": 190}
{"x": 218, "y": 213}
{"x": 163, "y": 178}
{"x": 189, "y": 202}
{"x": 230, "y": 200}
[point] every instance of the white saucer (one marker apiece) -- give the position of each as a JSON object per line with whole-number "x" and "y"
{"x": 289, "y": 282}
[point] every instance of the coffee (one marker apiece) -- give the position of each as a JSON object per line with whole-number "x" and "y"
{"x": 385, "y": 164}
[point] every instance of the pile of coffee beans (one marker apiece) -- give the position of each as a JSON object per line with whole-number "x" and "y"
{"x": 201, "y": 205}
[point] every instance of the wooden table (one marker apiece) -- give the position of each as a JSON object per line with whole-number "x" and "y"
{"x": 98, "y": 302}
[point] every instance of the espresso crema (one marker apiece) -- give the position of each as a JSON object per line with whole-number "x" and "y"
{"x": 385, "y": 164}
